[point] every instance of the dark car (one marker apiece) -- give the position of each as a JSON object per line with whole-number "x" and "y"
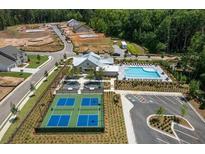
{"x": 116, "y": 54}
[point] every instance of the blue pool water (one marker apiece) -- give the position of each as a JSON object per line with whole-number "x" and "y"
{"x": 141, "y": 72}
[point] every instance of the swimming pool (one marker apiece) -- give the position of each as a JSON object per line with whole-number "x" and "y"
{"x": 137, "y": 72}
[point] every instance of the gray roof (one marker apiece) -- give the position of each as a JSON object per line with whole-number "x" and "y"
{"x": 10, "y": 51}
{"x": 5, "y": 61}
{"x": 76, "y": 27}
{"x": 73, "y": 21}
{"x": 94, "y": 58}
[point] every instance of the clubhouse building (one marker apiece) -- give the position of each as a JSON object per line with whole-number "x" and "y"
{"x": 96, "y": 62}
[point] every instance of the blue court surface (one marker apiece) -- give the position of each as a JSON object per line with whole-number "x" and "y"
{"x": 87, "y": 120}
{"x": 59, "y": 121}
{"x": 90, "y": 102}
{"x": 66, "y": 102}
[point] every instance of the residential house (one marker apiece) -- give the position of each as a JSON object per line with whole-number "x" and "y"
{"x": 73, "y": 22}
{"x": 11, "y": 57}
{"x": 81, "y": 28}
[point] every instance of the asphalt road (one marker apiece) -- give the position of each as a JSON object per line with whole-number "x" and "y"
{"x": 145, "y": 105}
{"x": 19, "y": 93}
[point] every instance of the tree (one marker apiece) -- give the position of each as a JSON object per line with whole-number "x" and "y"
{"x": 160, "y": 111}
{"x": 56, "y": 64}
{"x": 183, "y": 110}
{"x": 116, "y": 98}
{"x": 64, "y": 56}
{"x": 193, "y": 88}
{"x": 21, "y": 72}
{"x": 38, "y": 58}
{"x": 99, "y": 73}
{"x": 32, "y": 88}
{"x": 91, "y": 74}
{"x": 46, "y": 74}
{"x": 13, "y": 108}
{"x": 202, "y": 80}
{"x": 76, "y": 71}
{"x": 162, "y": 55}
{"x": 161, "y": 47}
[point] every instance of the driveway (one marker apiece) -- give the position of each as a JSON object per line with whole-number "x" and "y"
{"x": 144, "y": 105}
{"x": 16, "y": 96}
{"x": 118, "y": 50}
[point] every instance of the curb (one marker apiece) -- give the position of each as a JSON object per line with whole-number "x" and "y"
{"x": 15, "y": 89}
{"x": 198, "y": 114}
{"x": 50, "y": 58}
{"x": 172, "y": 126}
{"x": 128, "y": 121}
{"x": 21, "y": 101}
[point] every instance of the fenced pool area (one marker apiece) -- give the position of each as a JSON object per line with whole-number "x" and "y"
{"x": 142, "y": 72}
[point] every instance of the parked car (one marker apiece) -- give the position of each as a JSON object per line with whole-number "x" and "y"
{"x": 116, "y": 54}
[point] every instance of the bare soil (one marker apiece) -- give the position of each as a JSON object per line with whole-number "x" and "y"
{"x": 5, "y": 91}
{"x": 99, "y": 43}
{"x": 10, "y": 81}
{"x": 44, "y": 41}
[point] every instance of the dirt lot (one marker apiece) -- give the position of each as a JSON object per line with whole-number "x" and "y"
{"x": 10, "y": 81}
{"x": 21, "y": 36}
{"x": 96, "y": 42}
{"x": 7, "y": 84}
{"x": 5, "y": 91}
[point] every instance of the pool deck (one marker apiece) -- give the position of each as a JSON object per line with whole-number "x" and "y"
{"x": 162, "y": 77}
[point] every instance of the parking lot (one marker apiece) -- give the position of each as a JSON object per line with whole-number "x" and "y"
{"x": 145, "y": 105}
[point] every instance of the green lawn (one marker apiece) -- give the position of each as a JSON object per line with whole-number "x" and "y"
{"x": 15, "y": 74}
{"x": 28, "y": 106}
{"x": 34, "y": 62}
{"x": 135, "y": 49}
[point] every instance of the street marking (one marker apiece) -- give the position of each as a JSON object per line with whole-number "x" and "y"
{"x": 186, "y": 134}
{"x": 162, "y": 141}
{"x": 159, "y": 98}
{"x": 178, "y": 100}
{"x": 166, "y": 97}
{"x": 184, "y": 141}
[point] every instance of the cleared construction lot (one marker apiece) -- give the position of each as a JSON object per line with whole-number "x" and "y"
{"x": 33, "y": 37}
{"x": 7, "y": 84}
{"x": 88, "y": 41}
{"x": 146, "y": 105}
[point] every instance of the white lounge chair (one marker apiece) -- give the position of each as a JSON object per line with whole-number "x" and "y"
{"x": 70, "y": 88}
{"x": 92, "y": 88}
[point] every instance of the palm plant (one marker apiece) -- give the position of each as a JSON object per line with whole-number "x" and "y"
{"x": 184, "y": 110}
{"x": 160, "y": 112}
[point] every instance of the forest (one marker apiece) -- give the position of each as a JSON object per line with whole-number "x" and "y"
{"x": 160, "y": 31}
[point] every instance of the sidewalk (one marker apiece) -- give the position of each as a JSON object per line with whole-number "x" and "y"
{"x": 6, "y": 124}
{"x": 31, "y": 70}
